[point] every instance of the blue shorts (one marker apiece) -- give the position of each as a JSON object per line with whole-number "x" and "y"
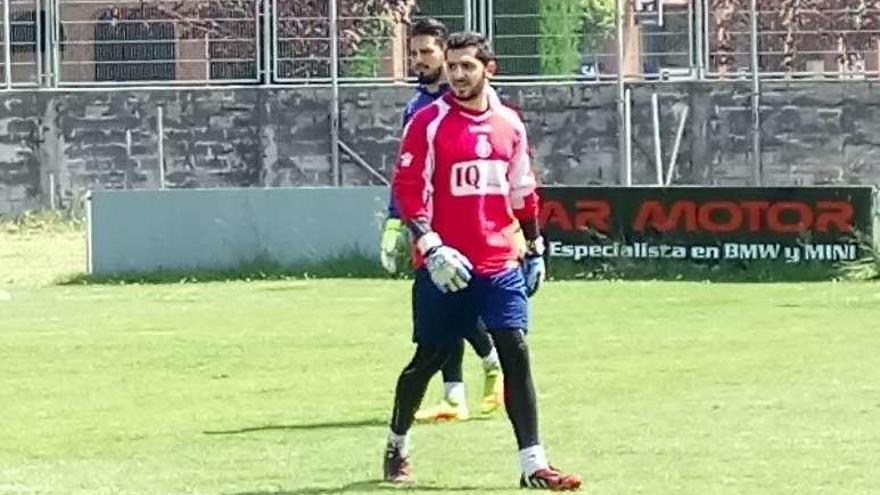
{"x": 498, "y": 300}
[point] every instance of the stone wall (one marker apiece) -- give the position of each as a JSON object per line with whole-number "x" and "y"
{"x": 812, "y": 133}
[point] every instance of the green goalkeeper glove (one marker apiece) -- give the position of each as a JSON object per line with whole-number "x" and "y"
{"x": 393, "y": 245}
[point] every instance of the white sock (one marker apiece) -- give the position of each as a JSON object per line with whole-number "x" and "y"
{"x": 491, "y": 361}
{"x": 454, "y": 392}
{"x": 399, "y": 442}
{"x": 532, "y": 459}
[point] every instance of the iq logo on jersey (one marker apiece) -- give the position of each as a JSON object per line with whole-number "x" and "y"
{"x": 479, "y": 178}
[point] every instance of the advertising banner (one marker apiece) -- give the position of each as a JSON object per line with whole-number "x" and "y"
{"x": 707, "y": 224}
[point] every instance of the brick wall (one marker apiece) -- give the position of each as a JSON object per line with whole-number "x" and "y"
{"x": 813, "y": 133}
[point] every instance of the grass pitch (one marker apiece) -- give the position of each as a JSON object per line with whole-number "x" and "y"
{"x": 286, "y": 386}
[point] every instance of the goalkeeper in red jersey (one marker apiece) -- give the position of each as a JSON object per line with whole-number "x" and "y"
{"x": 465, "y": 187}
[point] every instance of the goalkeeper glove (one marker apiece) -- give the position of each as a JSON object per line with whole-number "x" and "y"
{"x": 449, "y": 269}
{"x": 533, "y": 267}
{"x": 393, "y": 244}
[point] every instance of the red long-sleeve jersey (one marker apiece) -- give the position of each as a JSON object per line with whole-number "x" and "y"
{"x": 468, "y": 178}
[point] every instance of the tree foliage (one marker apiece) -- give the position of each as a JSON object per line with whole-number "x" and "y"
{"x": 570, "y": 28}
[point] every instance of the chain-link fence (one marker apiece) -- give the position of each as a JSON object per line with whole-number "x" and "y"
{"x": 795, "y": 39}
{"x": 108, "y": 42}
{"x": 99, "y": 42}
{"x": 301, "y": 31}
{"x": 22, "y": 27}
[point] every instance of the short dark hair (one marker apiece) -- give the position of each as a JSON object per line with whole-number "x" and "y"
{"x": 460, "y": 40}
{"x": 431, "y": 27}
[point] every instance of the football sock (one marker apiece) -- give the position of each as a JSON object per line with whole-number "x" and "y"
{"x": 532, "y": 459}
{"x": 491, "y": 361}
{"x": 454, "y": 392}
{"x": 400, "y": 443}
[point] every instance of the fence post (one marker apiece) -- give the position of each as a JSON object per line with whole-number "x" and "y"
{"x": 7, "y": 49}
{"x": 490, "y": 19}
{"x": 756, "y": 95}
{"x": 658, "y": 147}
{"x": 38, "y": 41}
{"x": 54, "y": 30}
{"x": 627, "y": 137}
{"x": 334, "y": 95}
{"x": 624, "y": 166}
{"x": 266, "y": 49}
{"x": 207, "y": 56}
{"x": 52, "y": 204}
{"x": 160, "y": 141}
{"x": 274, "y": 54}
{"x": 698, "y": 38}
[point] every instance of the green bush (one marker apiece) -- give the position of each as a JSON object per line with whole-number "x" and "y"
{"x": 598, "y": 26}
{"x": 570, "y": 27}
{"x": 366, "y": 61}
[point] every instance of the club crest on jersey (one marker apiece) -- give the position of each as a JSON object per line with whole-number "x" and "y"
{"x": 483, "y": 148}
{"x": 406, "y": 159}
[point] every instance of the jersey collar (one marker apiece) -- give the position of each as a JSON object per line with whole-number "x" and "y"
{"x": 449, "y": 99}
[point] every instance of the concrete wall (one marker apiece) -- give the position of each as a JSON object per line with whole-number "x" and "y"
{"x": 813, "y": 133}
{"x": 150, "y": 230}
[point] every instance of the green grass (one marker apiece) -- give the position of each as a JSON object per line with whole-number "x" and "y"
{"x": 285, "y": 386}
{"x": 39, "y": 249}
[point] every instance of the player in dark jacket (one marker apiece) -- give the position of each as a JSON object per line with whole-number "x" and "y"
{"x": 427, "y": 45}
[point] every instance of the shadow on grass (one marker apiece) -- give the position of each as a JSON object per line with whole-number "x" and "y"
{"x": 377, "y": 485}
{"x": 326, "y": 425}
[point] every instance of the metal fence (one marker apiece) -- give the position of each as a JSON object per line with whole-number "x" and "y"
{"x": 106, "y": 42}
{"x": 21, "y": 30}
{"x": 59, "y": 43}
{"x": 794, "y": 41}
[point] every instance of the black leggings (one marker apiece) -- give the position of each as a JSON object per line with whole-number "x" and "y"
{"x": 481, "y": 342}
{"x": 519, "y": 390}
{"x": 412, "y": 384}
